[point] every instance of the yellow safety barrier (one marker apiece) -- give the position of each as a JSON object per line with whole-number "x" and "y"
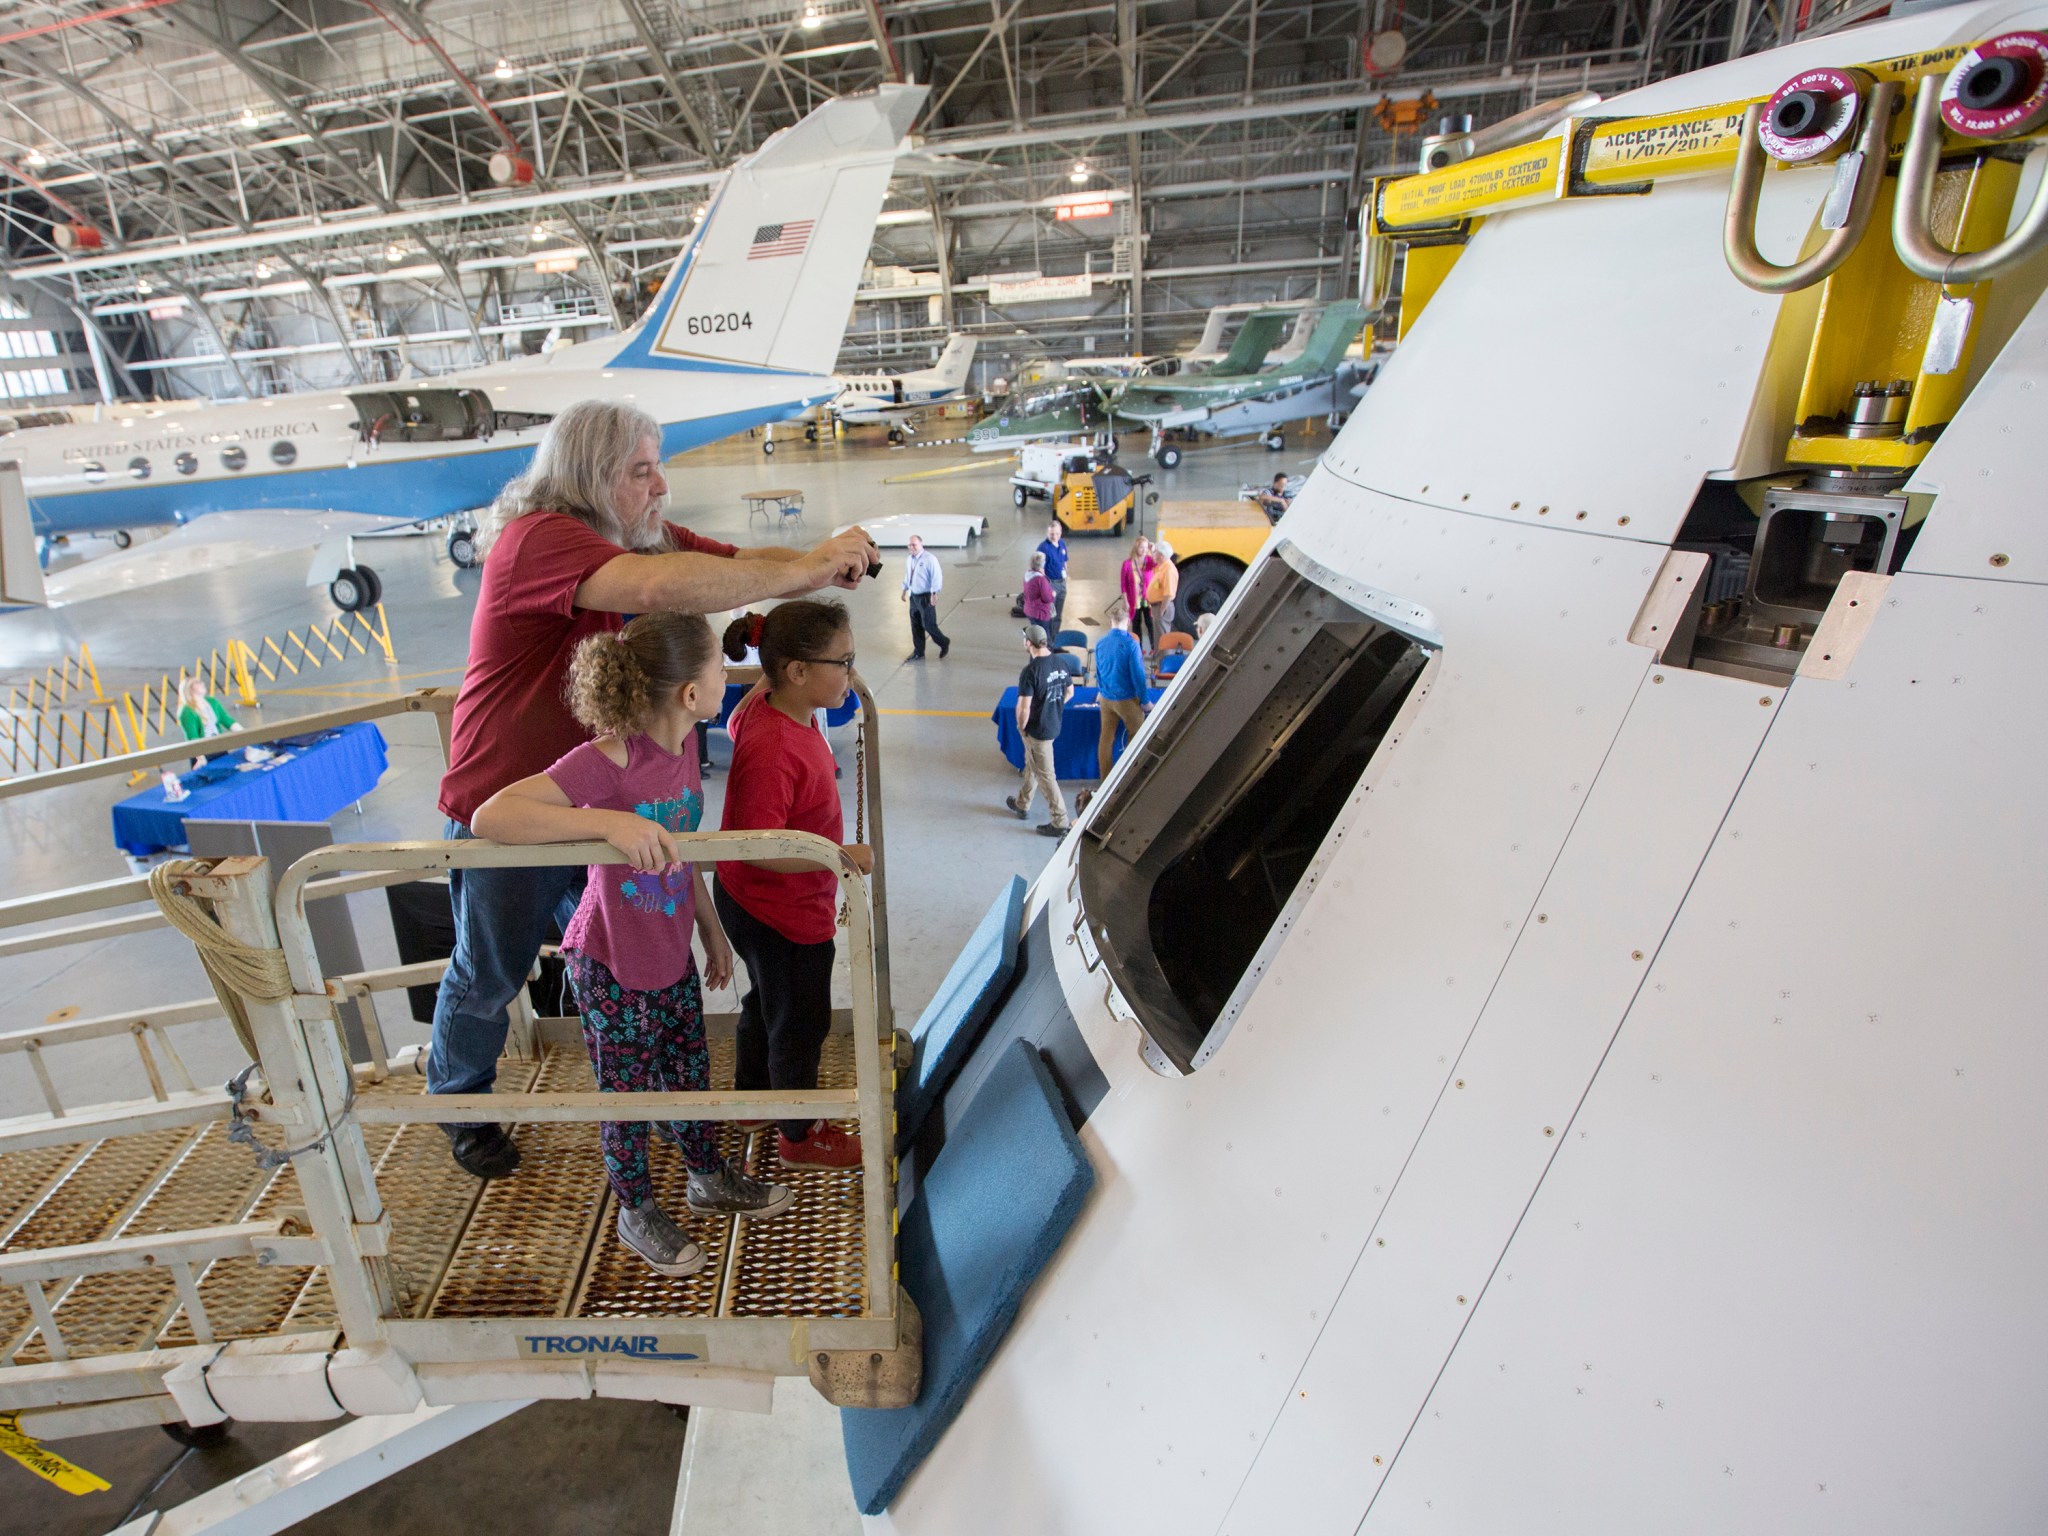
{"x": 334, "y": 640}
{"x": 43, "y": 729}
{"x": 73, "y": 674}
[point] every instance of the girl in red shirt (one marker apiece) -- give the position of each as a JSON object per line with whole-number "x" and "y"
{"x": 783, "y": 916}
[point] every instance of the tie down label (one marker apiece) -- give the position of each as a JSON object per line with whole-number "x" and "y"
{"x": 615, "y": 1346}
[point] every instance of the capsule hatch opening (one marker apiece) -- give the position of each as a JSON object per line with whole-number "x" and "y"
{"x": 1192, "y": 864}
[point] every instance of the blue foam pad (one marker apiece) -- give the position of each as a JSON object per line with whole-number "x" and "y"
{"x": 991, "y": 1214}
{"x": 950, "y": 1024}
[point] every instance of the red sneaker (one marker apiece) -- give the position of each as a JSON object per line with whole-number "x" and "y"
{"x": 826, "y": 1147}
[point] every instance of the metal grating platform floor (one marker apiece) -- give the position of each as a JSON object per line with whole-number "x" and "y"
{"x": 537, "y": 1245}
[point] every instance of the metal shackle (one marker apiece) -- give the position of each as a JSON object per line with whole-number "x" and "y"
{"x": 1920, "y": 251}
{"x": 1753, "y": 152}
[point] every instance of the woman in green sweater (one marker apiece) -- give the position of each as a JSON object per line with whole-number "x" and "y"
{"x": 200, "y": 713}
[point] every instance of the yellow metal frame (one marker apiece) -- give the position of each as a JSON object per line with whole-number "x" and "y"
{"x": 1874, "y": 314}
{"x": 1423, "y": 272}
{"x": 1593, "y": 156}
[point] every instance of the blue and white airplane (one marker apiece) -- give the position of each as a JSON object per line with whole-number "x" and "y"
{"x": 743, "y": 333}
{"x": 891, "y": 399}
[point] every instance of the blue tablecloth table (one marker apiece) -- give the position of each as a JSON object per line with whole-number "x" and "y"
{"x": 320, "y": 776}
{"x": 1073, "y": 754}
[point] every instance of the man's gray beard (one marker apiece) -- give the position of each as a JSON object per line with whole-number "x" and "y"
{"x": 652, "y": 537}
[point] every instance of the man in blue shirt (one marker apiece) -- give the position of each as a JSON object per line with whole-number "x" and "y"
{"x": 1119, "y": 685}
{"x": 1054, "y": 548}
{"x": 922, "y": 580}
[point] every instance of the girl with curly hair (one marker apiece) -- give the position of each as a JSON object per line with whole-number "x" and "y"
{"x": 641, "y": 690}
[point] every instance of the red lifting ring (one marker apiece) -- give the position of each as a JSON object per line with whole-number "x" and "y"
{"x": 2000, "y": 89}
{"x": 1811, "y": 115}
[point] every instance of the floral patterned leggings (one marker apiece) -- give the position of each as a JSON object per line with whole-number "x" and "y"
{"x": 645, "y": 1042}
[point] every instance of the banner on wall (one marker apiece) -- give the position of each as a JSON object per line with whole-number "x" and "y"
{"x": 1032, "y": 288}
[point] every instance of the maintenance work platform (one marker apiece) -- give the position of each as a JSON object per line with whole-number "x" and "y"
{"x": 299, "y": 1245}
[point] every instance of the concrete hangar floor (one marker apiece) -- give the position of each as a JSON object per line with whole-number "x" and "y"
{"x": 600, "y": 1464}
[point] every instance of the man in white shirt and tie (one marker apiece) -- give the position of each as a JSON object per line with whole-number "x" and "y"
{"x": 922, "y": 580}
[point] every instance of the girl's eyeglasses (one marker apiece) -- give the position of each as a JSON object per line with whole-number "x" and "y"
{"x": 830, "y": 661}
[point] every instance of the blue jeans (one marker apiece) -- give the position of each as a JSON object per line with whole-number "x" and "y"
{"x": 502, "y": 917}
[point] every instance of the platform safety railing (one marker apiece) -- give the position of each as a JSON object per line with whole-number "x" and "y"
{"x": 174, "y": 1098}
{"x": 309, "y": 1096}
{"x": 307, "y": 1089}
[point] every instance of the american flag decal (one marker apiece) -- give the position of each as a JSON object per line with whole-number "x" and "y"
{"x": 788, "y": 239}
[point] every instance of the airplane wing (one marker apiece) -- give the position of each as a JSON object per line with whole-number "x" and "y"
{"x": 869, "y": 412}
{"x": 216, "y": 542}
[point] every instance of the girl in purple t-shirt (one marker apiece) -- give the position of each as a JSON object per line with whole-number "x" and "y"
{"x": 642, "y": 690}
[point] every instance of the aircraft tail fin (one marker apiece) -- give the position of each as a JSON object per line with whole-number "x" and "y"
{"x": 1255, "y": 338}
{"x": 766, "y": 282}
{"x": 1333, "y": 336}
{"x": 954, "y": 362}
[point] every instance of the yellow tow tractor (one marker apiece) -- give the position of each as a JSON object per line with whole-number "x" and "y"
{"x": 1090, "y": 491}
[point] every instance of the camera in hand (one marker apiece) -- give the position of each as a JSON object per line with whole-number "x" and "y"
{"x": 874, "y": 569}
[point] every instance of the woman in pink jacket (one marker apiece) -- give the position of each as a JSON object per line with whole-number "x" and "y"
{"x": 1134, "y": 578}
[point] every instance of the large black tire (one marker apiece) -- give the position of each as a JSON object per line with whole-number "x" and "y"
{"x": 1169, "y": 455}
{"x": 348, "y": 591}
{"x": 201, "y": 1437}
{"x": 895, "y": 438}
{"x": 462, "y": 549}
{"x": 1276, "y": 442}
{"x": 768, "y": 446}
{"x": 810, "y": 432}
{"x": 1020, "y": 496}
{"x": 1205, "y": 582}
{"x": 373, "y": 583}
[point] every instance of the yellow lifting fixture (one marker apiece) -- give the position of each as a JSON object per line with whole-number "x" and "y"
{"x": 1893, "y": 333}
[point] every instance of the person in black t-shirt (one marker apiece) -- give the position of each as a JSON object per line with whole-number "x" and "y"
{"x": 1041, "y": 702}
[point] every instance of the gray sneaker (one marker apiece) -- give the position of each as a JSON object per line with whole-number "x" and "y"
{"x": 728, "y": 1192}
{"x": 648, "y": 1231}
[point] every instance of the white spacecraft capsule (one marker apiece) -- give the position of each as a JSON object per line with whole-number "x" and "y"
{"x": 1548, "y": 999}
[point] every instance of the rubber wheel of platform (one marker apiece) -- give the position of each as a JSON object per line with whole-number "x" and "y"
{"x": 1169, "y": 457}
{"x": 1205, "y": 584}
{"x": 201, "y": 1437}
{"x": 1020, "y": 496}
{"x": 462, "y": 549}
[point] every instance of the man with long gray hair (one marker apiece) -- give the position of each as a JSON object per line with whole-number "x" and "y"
{"x": 570, "y": 546}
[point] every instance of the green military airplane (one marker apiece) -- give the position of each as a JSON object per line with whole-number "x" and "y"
{"x": 1075, "y": 407}
{"x": 1055, "y": 409}
{"x": 1236, "y": 401}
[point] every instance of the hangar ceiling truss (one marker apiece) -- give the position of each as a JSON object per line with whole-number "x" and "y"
{"x": 304, "y": 190}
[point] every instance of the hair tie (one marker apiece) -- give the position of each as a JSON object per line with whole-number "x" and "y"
{"x": 755, "y": 624}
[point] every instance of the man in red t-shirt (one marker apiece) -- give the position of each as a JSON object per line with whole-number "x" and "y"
{"x": 576, "y": 542}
